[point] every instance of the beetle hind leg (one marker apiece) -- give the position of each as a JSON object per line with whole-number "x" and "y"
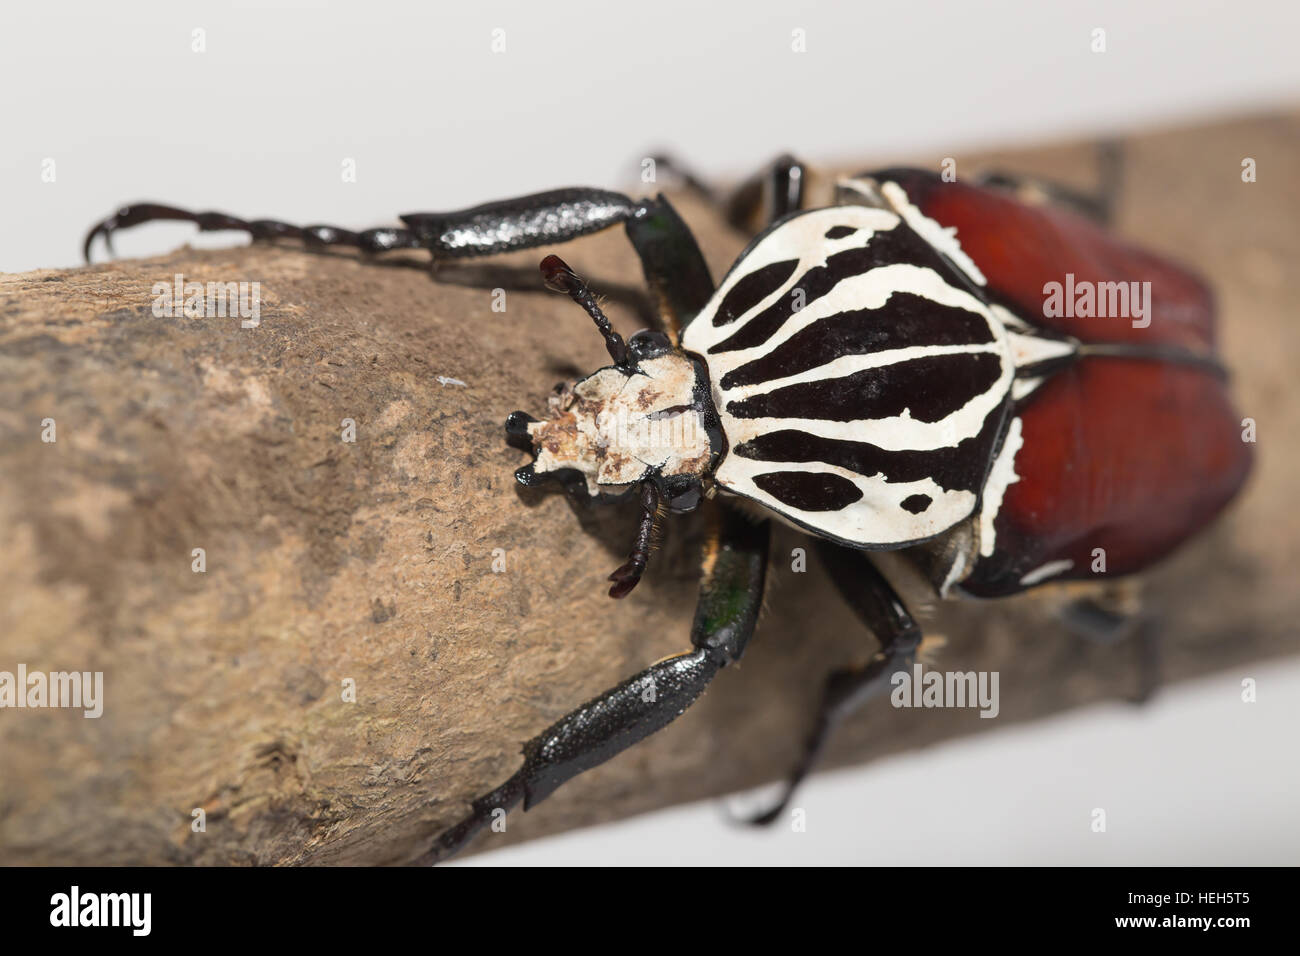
{"x": 1100, "y": 622}
{"x": 879, "y": 607}
{"x": 1099, "y": 204}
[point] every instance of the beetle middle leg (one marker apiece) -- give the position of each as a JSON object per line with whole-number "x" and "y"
{"x": 730, "y": 596}
{"x": 879, "y": 607}
{"x": 772, "y": 193}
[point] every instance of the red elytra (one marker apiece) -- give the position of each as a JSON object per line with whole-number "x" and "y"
{"x": 1131, "y": 456}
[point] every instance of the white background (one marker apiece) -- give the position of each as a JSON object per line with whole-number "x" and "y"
{"x": 261, "y": 122}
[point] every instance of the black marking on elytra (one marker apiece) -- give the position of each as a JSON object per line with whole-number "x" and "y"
{"x": 931, "y": 387}
{"x": 916, "y": 503}
{"x": 808, "y": 491}
{"x": 906, "y": 319}
{"x": 899, "y": 246}
{"x": 840, "y": 232}
{"x": 753, "y": 289}
{"x": 959, "y": 467}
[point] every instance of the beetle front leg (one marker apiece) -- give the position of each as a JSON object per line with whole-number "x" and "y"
{"x": 382, "y": 239}
{"x": 488, "y": 229}
{"x": 730, "y": 597}
{"x": 879, "y": 607}
{"x": 670, "y": 257}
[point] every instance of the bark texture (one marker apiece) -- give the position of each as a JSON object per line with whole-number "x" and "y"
{"x": 373, "y": 561}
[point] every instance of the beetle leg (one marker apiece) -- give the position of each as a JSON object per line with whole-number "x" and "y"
{"x": 674, "y": 267}
{"x": 730, "y": 595}
{"x": 670, "y": 257}
{"x": 369, "y": 240}
{"x": 1098, "y": 205}
{"x": 1097, "y": 623}
{"x": 775, "y": 191}
{"x": 488, "y": 229}
{"x": 880, "y": 608}
{"x": 770, "y": 194}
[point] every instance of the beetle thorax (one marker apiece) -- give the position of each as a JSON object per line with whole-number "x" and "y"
{"x": 616, "y": 429}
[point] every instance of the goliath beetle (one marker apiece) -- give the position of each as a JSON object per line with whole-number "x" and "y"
{"x": 877, "y": 369}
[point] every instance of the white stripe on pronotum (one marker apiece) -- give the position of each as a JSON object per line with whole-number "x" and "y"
{"x": 880, "y": 508}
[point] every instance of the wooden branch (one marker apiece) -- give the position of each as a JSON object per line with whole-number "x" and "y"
{"x": 373, "y": 561}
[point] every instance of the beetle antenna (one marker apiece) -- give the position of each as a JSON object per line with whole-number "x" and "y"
{"x": 626, "y": 577}
{"x": 560, "y": 278}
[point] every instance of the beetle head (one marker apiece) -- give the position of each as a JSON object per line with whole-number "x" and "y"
{"x": 645, "y": 424}
{"x": 644, "y": 420}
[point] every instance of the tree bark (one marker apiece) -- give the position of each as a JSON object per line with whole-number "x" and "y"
{"x": 467, "y": 612}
